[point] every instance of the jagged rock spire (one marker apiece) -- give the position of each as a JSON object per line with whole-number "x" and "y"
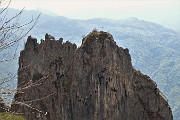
{"x": 96, "y": 81}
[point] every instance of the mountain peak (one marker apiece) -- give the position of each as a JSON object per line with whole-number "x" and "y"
{"x": 97, "y": 35}
{"x": 132, "y": 19}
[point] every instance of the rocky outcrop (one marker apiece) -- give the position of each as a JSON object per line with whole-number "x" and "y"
{"x": 3, "y": 107}
{"x": 58, "y": 81}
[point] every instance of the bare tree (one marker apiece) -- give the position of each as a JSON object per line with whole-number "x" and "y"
{"x": 11, "y": 32}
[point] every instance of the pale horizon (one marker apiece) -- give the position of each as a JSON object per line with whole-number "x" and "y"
{"x": 164, "y": 12}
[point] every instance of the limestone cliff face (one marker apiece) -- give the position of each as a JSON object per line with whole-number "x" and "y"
{"x": 58, "y": 81}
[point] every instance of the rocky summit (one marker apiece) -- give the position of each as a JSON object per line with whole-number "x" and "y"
{"x": 59, "y": 81}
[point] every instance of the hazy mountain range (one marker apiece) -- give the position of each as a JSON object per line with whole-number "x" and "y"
{"x": 154, "y": 49}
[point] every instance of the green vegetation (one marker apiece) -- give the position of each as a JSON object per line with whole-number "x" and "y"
{"x": 97, "y": 35}
{"x": 10, "y": 116}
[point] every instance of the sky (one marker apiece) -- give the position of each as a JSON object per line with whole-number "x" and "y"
{"x": 164, "y": 12}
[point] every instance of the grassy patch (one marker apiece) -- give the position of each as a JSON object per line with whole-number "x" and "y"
{"x": 9, "y": 116}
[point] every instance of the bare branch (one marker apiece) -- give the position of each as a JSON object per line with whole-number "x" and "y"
{"x": 11, "y": 32}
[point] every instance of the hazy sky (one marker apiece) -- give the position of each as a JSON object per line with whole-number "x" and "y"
{"x": 165, "y": 12}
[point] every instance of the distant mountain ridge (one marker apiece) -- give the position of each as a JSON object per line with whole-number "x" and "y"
{"x": 154, "y": 48}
